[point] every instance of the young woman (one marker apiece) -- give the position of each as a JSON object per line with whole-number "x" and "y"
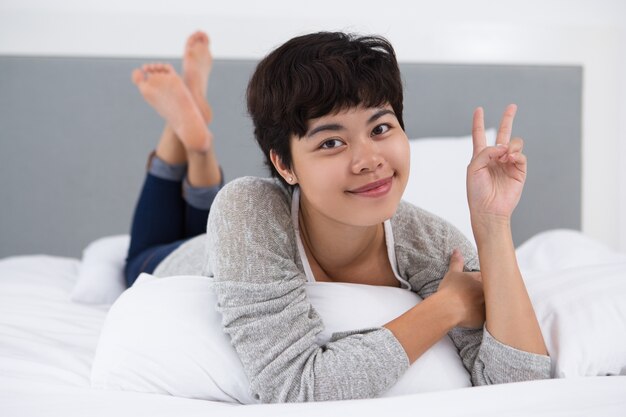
{"x": 183, "y": 173}
{"x": 327, "y": 112}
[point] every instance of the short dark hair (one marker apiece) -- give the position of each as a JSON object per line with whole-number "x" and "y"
{"x": 317, "y": 74}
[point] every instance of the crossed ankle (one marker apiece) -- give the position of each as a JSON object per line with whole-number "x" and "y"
{"x": 200, "y": 197}
{"x": 163, "y": 170}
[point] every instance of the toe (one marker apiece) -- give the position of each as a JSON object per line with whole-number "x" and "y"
{"x": 161, "y": 68}
{"x": 137, "y": 76}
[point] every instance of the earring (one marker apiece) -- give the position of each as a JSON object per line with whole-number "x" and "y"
{"x": 290, "y": 180}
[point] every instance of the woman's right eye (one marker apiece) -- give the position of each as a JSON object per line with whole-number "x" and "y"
{"x": 331, "y": 144}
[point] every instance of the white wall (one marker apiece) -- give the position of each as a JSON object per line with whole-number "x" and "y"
{"x": 622, "y": 140}
{"x": 591, "y": 33}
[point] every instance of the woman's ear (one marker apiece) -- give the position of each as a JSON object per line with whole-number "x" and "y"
{"x": 286, "y": 173}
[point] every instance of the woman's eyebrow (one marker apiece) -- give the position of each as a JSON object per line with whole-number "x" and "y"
{"x": 380, "y": 113}
{"x": 335, "y": 127}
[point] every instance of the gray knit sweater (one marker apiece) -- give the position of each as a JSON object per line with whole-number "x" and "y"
{"x": 260, "y": 280}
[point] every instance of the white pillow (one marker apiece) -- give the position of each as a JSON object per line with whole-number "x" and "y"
{"x": 438, "y": 174}
{"x": 578, "y": 288}
{"x": 582, "y": 314}
{"x": 164, "y": 335}
{"x": 101, "y": 272}
{"x": 439, "y": 368}
{"x": 563, "y": 248}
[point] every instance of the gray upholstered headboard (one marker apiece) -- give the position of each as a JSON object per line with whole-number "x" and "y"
{"x": 76, "y": 134}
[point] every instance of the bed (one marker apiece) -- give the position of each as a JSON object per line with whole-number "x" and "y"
{"x": 51, "y": 333}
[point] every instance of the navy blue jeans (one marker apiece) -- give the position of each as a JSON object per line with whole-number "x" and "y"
{"x": 163, "y": 220}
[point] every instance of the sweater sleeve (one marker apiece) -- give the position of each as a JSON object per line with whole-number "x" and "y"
{"x": 427, "y": 253}
{"x": 261, "y": 295}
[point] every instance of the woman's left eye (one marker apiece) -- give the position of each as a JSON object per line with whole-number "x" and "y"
{"x": 380, "y": 129}
{"x": 331, "y": 144}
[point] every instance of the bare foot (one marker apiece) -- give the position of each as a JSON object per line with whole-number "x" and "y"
{"x": 166, "y": 92}
{"x": 197, "y": 64}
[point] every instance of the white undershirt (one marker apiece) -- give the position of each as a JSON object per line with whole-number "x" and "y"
{"x": 391, "y": 254}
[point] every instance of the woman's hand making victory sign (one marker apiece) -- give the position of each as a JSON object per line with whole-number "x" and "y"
{"x": 496, "y": 174}
{"x": 495, "y": 180}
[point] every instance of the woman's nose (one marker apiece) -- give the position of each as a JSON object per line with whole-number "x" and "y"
{"x": 366, "y": 156}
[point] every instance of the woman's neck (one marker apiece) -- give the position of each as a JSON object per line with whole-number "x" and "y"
{"x": 340, "y": 250}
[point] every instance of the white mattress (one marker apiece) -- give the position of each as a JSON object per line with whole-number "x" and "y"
{"x": 47, "y": 345}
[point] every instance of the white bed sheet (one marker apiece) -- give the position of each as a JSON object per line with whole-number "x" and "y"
{"x": 594, "y": 396}
{"x": 47, "y": 345}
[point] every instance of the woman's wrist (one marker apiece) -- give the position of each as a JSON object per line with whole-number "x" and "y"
{"x": 453, "y": 314}
{"x": 489, "y": 226}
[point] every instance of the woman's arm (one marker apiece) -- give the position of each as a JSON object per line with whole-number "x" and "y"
{"x": 458, "y": 302}
{"x": 424, "y": 245}
{"x": 510, "y": 317}
{"x": 495, "y": 179}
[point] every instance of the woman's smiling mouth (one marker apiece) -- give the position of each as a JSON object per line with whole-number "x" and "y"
{"x": 374, "y": 189}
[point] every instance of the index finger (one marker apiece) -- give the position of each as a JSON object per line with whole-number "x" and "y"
{"x": 506, "y": 125}
{"x": 478, "y": 131}
{"x": 456, "y": 261}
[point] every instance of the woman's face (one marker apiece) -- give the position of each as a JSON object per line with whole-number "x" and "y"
{"x": 353, "y": 166}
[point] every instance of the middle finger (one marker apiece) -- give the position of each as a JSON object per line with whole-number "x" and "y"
{"x": 506, "y": 125}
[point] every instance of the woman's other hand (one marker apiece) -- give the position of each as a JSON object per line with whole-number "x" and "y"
{"x": 465, "y": 290}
